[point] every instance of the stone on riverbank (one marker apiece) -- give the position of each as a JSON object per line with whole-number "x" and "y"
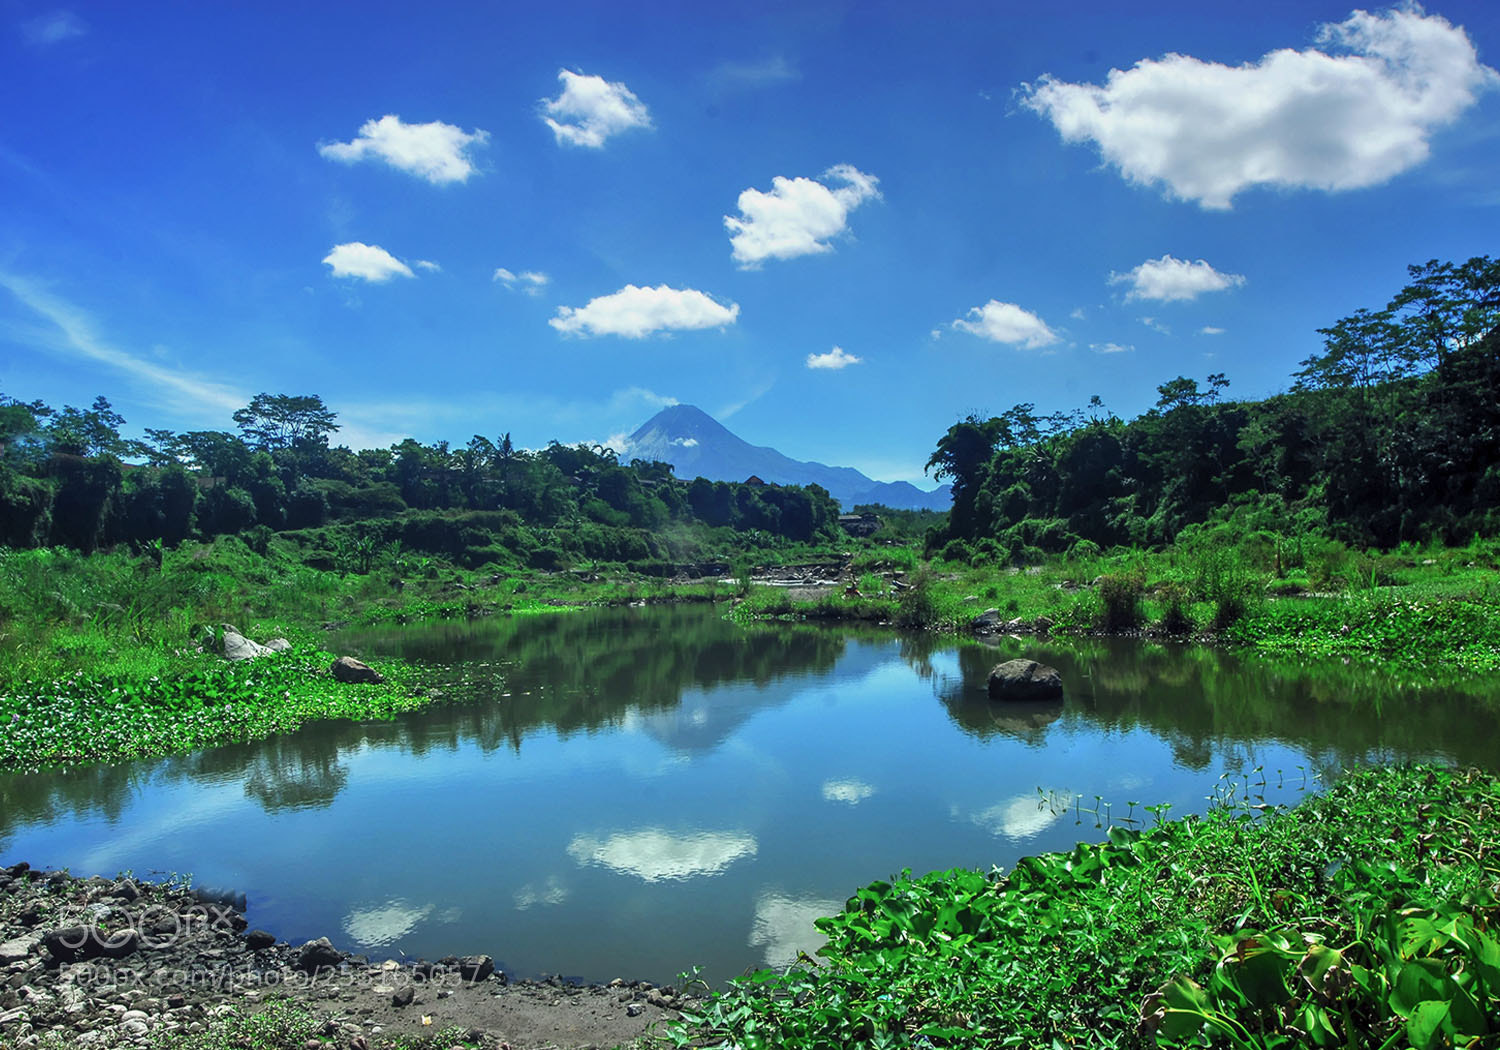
{"x": 1025, "y": 680}
{"x": 348, "y": 669}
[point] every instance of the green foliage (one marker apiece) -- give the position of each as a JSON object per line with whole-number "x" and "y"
{"x": 1312, "y": 926}
{"x": 1120, "y": 600}
{"x": 1392, "y": 434}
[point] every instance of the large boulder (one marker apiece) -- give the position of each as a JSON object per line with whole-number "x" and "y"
{"x": 238, "y": 647}
{"x": 1025, "y": 680}
{"x": 348, "y": 669}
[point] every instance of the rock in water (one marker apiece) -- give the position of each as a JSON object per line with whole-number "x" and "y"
{"x": 1025, "y": 680}
{"x": 348, "y": 669}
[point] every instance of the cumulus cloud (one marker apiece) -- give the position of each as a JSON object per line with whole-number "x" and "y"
{"x": 368, "y": 262}
{"x": 53, "y": 28}
{"x": 590, "y": 109}
{"x": 1355, "y": 114}
{"x": 635, "y": 313}
{"x": 655, "y": 855}
{"x": 1168, "y": 280}
{"x": 835, "y": 359}
{"x": 798, "y": 216}
{"x": 1007, "y": 323}
{"x": 435, "y": 151}
{"x": 1110, "y": 348}
{"x": 530, "y": 282}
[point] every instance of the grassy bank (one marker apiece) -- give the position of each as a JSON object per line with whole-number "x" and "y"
{"x": 101, "y": 656}
{"x": 1365, "y": 917}
{"x": 1438, "y": 606}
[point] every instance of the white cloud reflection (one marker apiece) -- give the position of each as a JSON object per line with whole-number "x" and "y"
{"x": 848, "y": 790}
{"x": 656, "y": 855}
{"x": 784, "y": 925}
{"x": 551, "y": 891}
{"x": 1022, "y": 817}
{"x": 385, "y": 923}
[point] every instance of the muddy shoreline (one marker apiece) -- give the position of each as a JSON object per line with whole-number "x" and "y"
{"x": 103, "y": 962}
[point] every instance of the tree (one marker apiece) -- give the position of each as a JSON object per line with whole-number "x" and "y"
{"x": 272, "y": 422}
{"x": 92, "y": 433}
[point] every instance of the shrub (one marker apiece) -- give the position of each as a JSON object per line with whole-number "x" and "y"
{"x": 1120, "y": 600}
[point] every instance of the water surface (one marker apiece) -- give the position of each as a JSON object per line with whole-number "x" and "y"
{"x": 636, "y": 791}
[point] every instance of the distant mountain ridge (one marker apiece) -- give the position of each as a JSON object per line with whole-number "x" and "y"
{"x": 697, "y": 445}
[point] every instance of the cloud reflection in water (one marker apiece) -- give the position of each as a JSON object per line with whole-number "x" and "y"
{"x": 655, "y": 854}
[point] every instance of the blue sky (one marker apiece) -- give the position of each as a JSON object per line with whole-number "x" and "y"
{"x": 837, "y": 227}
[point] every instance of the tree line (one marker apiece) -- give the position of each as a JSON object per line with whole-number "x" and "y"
{"x": 68, "y": 477}
{"x": 1390, "y": 434}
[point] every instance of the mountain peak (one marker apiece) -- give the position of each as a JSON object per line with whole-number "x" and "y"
{"x": 698, "y": 445}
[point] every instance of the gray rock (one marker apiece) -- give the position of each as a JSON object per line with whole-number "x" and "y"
{"x": 986, "y": 621}
{"x": 475, "y": 967}
{"x": 237, "y": 647}
{"x": 258, "y": 939}
{"x": 18, "y": 949}
{"x": 1025, "y": 680}
{"x": 403, "y": 996}
{"x": 348, "y": 669}
{"x": 278, "y": 645}
{"x": 317, "y": 955}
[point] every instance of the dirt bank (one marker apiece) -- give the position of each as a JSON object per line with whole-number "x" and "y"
{"x": 112, "y": 962}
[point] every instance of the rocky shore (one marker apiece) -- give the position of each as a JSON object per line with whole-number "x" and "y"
{"x": 96, "y": 962}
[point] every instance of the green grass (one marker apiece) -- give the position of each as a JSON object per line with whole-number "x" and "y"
{"x": 1230, "y": 924}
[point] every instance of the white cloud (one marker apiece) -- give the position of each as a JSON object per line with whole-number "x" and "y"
{"x": 773, "y": 70}
{"x": 1209, "y": 329}
{"x": 685, "y": 442}
{"x": 529, "y": 281}
{"x": 1007, "y": 323}
{"x": 368, "y": 262}
{"x": 1170, "y": 280}
{"x": 1356, "y": 114}
{"x": 635, "y": 313}
{"x": 835, "y": 359}
{"x": 591, "y": 109}
{"x": 654, "y": 855}
{"x": 436, "y": 151}
{"x": 1155, "y": 325}
{"x": 199, "y": 397}
{"x": 1110, "y": 348}
{"x": 53, "y": 28}
{"x": 798, "y": 216}
{"x": 428, "y": 265}
{"x": 850, "y": 790}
